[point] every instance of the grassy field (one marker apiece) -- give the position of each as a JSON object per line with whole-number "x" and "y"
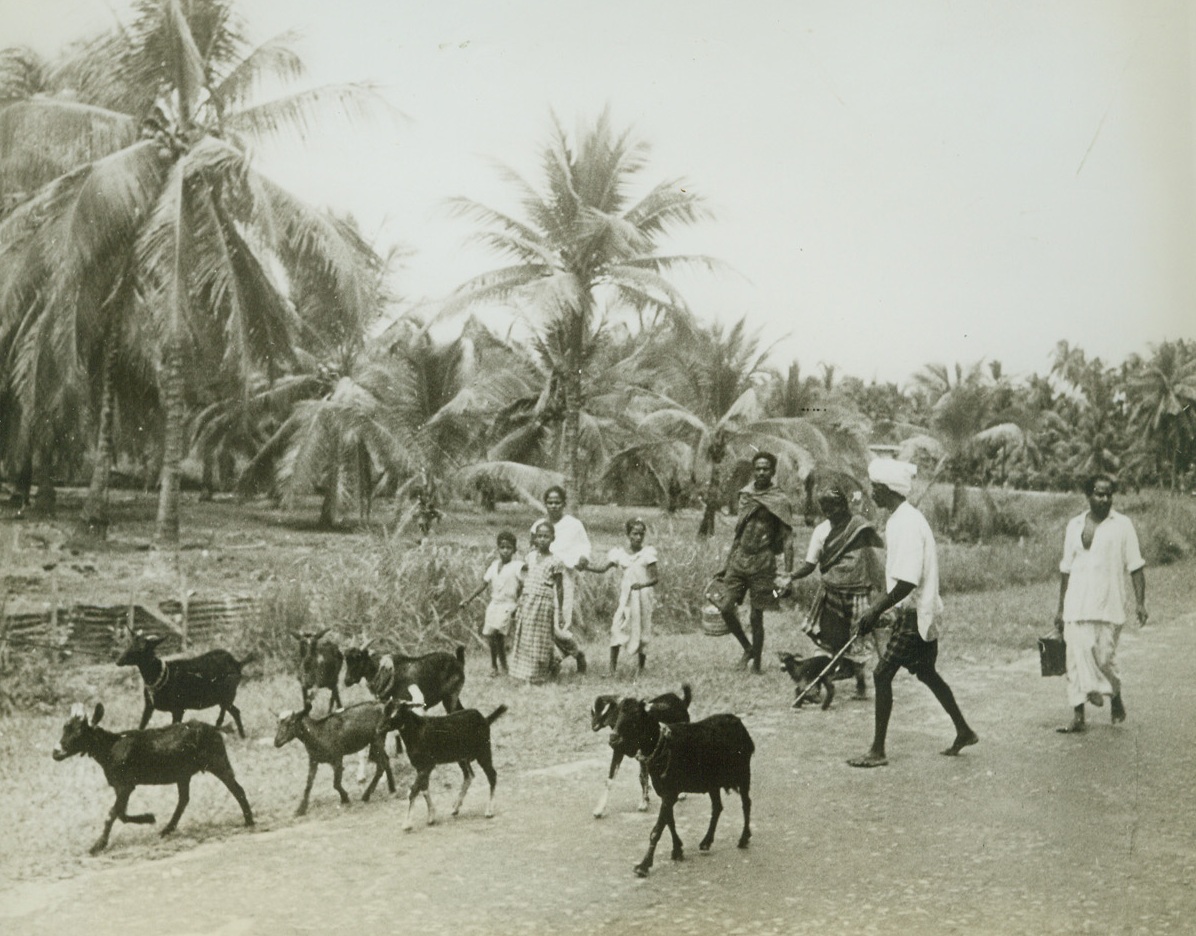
{"x": 1000, "y": 595}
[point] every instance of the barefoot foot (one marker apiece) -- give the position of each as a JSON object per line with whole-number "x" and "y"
{"x": 961, "y": 742}
{"x": 1076, "y": 727}
{"x": 1118, "y": 712}
{"x": 871, "y": 759}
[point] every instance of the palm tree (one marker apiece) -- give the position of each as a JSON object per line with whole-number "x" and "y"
{"x": 1162, "y": 396}
{"x": 583, "y": 241}
{"x": 967, "y": 424}
{"x": 171, "y": 199}
{"x": 711, "y": 410}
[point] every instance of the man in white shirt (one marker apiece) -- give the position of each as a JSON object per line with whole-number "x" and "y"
{"x": 1099, "y": 547}
{"x": 912, "y": 580}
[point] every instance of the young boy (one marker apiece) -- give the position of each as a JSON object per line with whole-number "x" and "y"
{"x": 504, "y": 580}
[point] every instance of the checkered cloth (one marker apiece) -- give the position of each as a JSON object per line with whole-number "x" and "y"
{"x": 906, "y": 646}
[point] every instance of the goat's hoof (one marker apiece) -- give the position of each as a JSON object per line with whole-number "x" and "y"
{"x": 743, "y": 842}
{"x": 642, "y": 807}
{"x": 97, "y": 848}
{"x": 641, "y": 870}
{"x": 704, "y": 846}
{"x": 598, "y": 813}
{"x": 489, "y": 814}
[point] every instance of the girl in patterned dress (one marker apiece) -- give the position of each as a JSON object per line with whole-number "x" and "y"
{"x": 539, "y": 614}
{"x": 631, "y": 628}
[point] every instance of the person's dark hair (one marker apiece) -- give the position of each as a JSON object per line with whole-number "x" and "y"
{"x": 634, "y": 522}
{"x": 544, "y": 522}
{"x": 768, "y": 457}
{"x": 1091, "y": 480}
{"x": 557, "y": 489}
{"x": 506, "y": 536}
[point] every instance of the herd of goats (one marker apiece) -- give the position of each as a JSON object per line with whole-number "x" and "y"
{"x": 678, "y": 756}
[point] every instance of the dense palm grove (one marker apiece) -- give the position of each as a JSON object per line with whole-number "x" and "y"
{"x": 169, "y": 314}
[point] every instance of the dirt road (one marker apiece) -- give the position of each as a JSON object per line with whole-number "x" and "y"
{"x": 1030, "y": 832}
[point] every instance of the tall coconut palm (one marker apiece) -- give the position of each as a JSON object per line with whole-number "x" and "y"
{"x": 1162, "y": 397}
{"x": 965, "y": 423}
{"x": 176, "y": 201}
{"x": 583, "y": 240}
{"x": 712, "y": 412}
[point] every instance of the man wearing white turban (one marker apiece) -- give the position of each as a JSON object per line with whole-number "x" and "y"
{"x": 912, "y": 580}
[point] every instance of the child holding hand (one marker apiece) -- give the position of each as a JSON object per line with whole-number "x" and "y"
{"x": 631, "y": 628}
{"x": 504, "y": 578}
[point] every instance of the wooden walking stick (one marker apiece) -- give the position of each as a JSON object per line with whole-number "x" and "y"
{"x": 814, "y": 682}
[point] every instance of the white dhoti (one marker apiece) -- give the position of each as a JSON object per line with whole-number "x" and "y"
{"x": 1091, "y": 659}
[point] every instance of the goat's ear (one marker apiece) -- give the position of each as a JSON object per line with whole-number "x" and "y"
{"x": 318, "y": 634}
{"x": 365, "y": 644}
{"x": 154, "y": 639}
{"x": 98, "y": 713}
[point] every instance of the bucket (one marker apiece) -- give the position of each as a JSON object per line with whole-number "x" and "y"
{"x": 713, "y": 624}
{"x": 1052, "y": 655}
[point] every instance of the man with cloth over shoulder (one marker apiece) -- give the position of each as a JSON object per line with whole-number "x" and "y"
{"x": 763, "y": 530}
{"x": 912, "y": 580}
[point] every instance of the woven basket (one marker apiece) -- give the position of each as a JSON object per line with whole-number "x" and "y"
{"x": 713, "y": 624}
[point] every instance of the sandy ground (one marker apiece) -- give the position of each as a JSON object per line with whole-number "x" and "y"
{"x": 1029, "y": 832}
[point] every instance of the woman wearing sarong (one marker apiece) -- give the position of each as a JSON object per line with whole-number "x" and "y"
{"x": 841, "y": 549}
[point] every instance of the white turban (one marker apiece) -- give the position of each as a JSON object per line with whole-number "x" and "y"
{"x": 897, "y": 476}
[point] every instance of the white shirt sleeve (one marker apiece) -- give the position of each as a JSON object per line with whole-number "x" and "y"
{"x": 817, "y": 541}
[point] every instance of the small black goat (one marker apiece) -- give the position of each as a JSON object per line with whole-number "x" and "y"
{"x": 319, "y": 666}
{"x": 329, "y": 739}
{"x": 701, "y": 757}
{"x": 147, "y": 758}
{"x": 192, "y": 683}
{"x": 459, "y": 737}
{"x": 666, "y": 709}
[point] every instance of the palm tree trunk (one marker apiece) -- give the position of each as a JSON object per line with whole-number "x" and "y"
{"x": 330, "y": 506}
{"x": 710, "y": 511}
{"x": 24, "y": 481}
{"x": 47, "y": 496}
{"x": 571, "y": 440}
{"x": 93, "y": 524}
{"x": 174, "y": 414}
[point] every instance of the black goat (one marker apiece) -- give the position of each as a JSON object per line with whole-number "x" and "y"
{"x": 191, "y": 683}
{"x": 666, "y": 709}
{"x": 319, "y": 666}
{"x": 702, "y": 757}
{"x": 147, "y": 758}
{"x": 459, "y": 737}
{"x": 440, "y": 675}
{"x": 329, "y": 739}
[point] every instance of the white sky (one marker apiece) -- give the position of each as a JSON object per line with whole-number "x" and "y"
{"x": 897, "y": 183}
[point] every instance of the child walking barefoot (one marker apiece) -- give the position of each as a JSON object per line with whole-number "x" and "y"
{"x": 631, "y": 628}
{"x": 504, "y": 578}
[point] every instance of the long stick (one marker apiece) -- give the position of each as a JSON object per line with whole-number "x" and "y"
{"x": 829, "y": 666}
